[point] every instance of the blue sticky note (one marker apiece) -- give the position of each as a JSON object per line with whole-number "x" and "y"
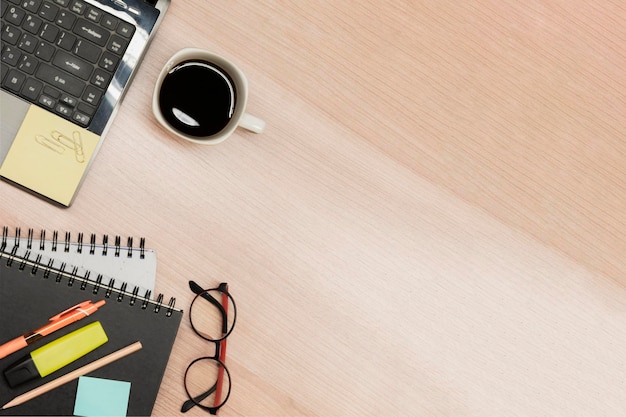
{"x": 101, "y": 397}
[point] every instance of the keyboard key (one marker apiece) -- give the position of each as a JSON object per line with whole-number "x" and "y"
{"x": 10, "y": 55}
{"x": 65, "y": 19}
{"x": 47, "y": 102}
{"x": 93, "y": 14}
{"x": 66, "y": 41}
{"x": 81, "y": 119}
{"x": 11, "y": 34}
{"x": 108, "y": 61}
{"x": 44, "y": 51}
{"x": 92, "y": 95}
{"x": 100, "y": 78}
{"x": 69, "y": 100}
{"x": 32, "y": 24}
{"x": 63, "y": 110}
{"x": 78, "y": 6}
{"x": 15, "y": 15}
{"x": 60, "y": 80}
{"x": 14, "y": 80}
{"x": 32, "y": 88}
{"x": 72, "y": 64}
{"x": 51, "y": 92}
{"x": 125, "y": 29}
{"x": 27, "y": 64}
{"x": 109, "y": 22}
{"x": 49, "y": 32}
{"x": 85, "y": 109}
{"x": 49, "y": 11}
{"x": 31, "y": 5}
{"x": 91, "y": 32}
{"x": 117, "y": 45}
{"x": 27, "y": 43}
{"x": 88, "y": 51}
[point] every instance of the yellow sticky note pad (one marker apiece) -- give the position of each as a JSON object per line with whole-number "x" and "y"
{"x": 49, "y": 155}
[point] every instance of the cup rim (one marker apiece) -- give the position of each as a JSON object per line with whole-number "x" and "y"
{"x": 237, "y": 76}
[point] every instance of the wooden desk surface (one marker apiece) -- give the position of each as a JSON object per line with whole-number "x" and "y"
{"x": 433, "y": 223}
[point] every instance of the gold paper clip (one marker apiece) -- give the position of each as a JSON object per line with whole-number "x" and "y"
{"x": 62, "y": 139}
{"x": 50, "y": 144}
{"x": 79, "y": 153}
{"x": 75, "y": 143}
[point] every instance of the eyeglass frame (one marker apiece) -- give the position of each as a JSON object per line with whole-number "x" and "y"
{"x": 220, "y": 347}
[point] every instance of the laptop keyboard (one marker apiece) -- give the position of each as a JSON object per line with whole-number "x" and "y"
{"x": 61, "y": 54}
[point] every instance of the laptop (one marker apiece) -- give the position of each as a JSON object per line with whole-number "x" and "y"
{"x": 65, "y": 67}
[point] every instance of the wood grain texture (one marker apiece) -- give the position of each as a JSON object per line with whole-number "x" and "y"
{"x": 432, "y": 224}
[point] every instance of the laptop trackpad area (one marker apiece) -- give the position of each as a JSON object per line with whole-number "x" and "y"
{"x": 48, "y": 155}
{"x": 12, "y": 113}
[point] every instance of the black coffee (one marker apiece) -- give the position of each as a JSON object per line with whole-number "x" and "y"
{"x": 197, "y": 98}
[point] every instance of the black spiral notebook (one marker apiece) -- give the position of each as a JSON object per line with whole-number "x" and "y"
{"x": 33, "y": 289}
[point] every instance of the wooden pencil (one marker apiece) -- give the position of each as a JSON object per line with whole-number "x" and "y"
{"x": 90, "y": 367}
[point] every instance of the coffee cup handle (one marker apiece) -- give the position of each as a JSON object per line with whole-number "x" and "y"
{"x": 252, "y": 123}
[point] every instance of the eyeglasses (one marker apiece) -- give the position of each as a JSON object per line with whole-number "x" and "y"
{"x": 212, "y": 315}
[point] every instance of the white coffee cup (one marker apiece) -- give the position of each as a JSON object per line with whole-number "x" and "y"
{"x": 201, "y": 97}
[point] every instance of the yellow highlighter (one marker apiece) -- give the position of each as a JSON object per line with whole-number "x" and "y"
{"x": 55, "y": 355}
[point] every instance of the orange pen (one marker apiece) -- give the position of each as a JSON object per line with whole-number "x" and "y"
{"x": 57, "y": 322}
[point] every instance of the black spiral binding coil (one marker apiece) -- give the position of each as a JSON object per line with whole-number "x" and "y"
{"x": 66, "y": 244}
{"x": 74, "y": 274}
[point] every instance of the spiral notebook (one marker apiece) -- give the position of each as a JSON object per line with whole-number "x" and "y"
{"x": 33, "y": 289}
{"x": 127, "y": 264}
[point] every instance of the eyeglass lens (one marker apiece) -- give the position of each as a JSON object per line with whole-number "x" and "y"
{"x": 207, "y": 382}
{"x": 212, "y": 315}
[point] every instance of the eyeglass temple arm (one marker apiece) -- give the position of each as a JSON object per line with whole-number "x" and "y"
{"x": 189, "y": 404}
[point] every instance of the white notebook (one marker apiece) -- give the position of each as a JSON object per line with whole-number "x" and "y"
{"x": 128, "y": 263}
